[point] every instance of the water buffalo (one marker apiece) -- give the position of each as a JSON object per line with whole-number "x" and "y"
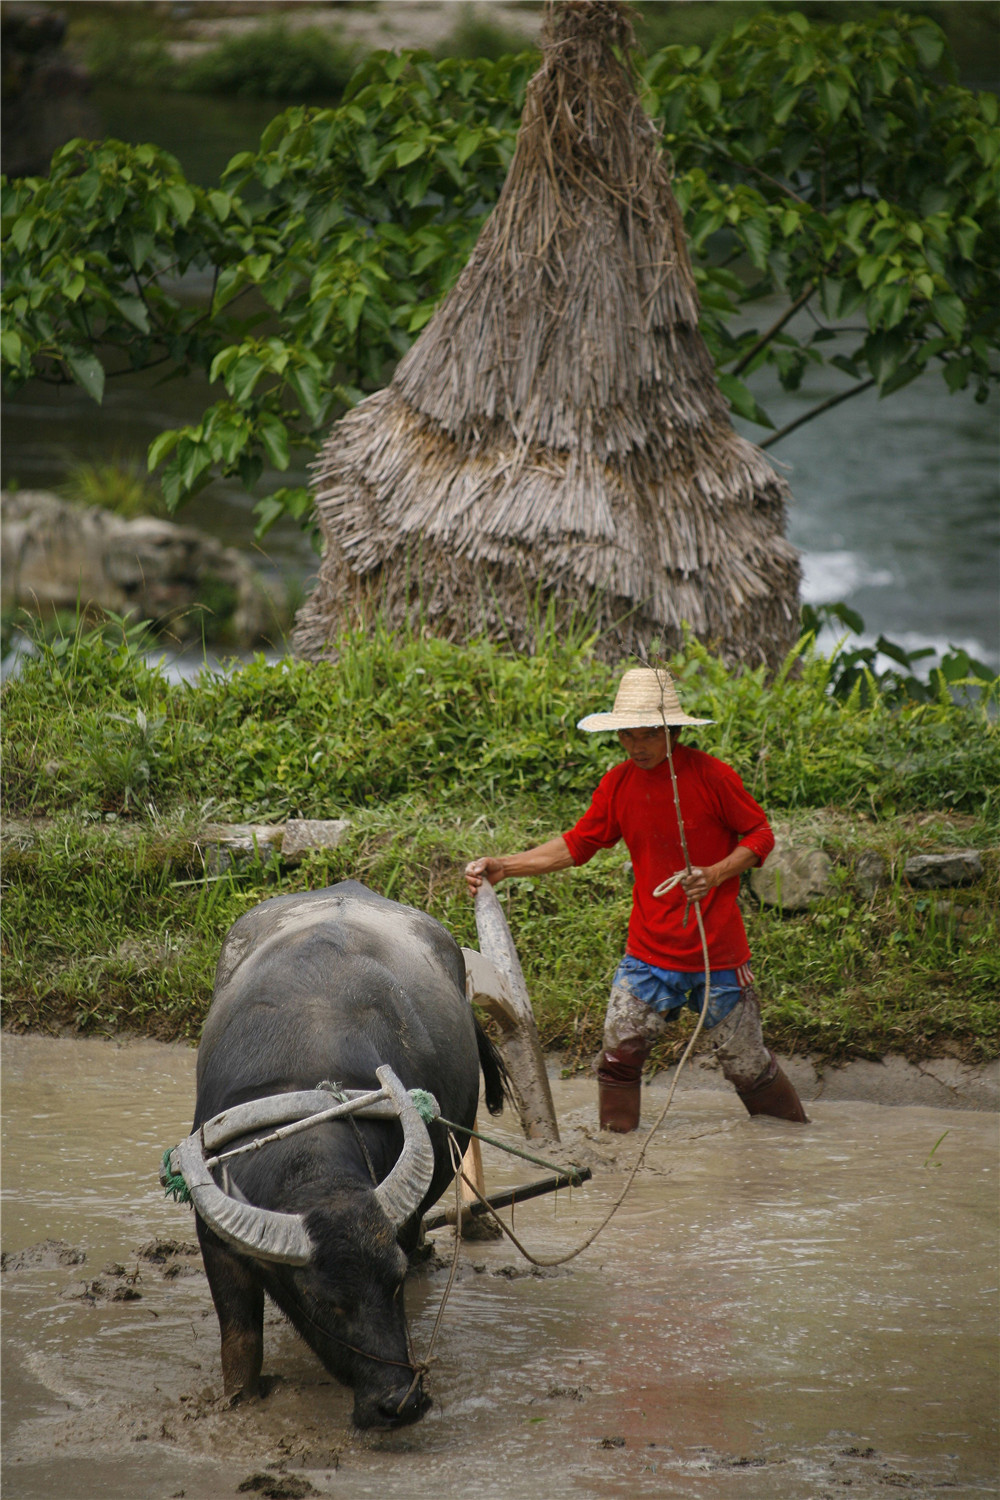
{"x": 330, "y": 986}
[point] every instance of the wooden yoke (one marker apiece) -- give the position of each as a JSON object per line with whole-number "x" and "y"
{"x": 494, "y": 980}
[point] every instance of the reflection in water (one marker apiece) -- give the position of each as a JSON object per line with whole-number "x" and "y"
{"x": 777, "y": 1314}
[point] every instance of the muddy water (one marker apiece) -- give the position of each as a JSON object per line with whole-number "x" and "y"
{"x": 777, "y": 1313}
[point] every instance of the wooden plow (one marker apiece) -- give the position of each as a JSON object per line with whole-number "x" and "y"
{"x": 494, "y": 981}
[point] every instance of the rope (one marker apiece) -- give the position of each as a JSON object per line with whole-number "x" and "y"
{"x": 174, "y": 1185}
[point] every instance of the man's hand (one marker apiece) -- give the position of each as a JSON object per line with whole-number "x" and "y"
{"x": 697, "y": 885}
{"x": 538, "y": 861}
{"x": 704, "y": 878}
{"x": 479, "y": 869}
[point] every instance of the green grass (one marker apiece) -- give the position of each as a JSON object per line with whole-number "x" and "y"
{"x": 437, "y": 753}
{"x": 116, "y": 485}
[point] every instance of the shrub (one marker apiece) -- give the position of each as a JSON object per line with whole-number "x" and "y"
{"x": 115, "y": 485}
{"x": 273, "y": 62}
{"x": 398, "y": 716}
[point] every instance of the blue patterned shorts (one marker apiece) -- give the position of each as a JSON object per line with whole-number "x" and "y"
{"x": 667, "y": 990}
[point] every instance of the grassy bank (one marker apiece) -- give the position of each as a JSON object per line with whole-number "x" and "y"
{"x": 437, "y": 753}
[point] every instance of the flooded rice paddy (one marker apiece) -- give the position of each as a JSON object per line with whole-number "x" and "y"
{"x": 777, "y": 1313}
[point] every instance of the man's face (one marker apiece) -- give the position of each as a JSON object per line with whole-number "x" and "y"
{"x": 646, "y": 747}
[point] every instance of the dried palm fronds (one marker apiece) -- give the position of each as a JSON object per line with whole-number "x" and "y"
{"x": 557, "y": 428}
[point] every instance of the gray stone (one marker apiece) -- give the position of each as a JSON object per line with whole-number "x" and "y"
{"x": 303, "y": 834}
{"x": 952, "y": 911}
{"x": 955, "y": 867}
{"x": 57, "y": 555}
{"x": 228, "y": 846}
{"x": 870, "y": 872}
{"x": 792, "y": 878}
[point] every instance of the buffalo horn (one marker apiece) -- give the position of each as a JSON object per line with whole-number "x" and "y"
{"x": 400, "y": 1194}
{"x": 259, "y": 1232}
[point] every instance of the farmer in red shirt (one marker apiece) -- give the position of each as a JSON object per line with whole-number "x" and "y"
{"x": 664, "y": 965}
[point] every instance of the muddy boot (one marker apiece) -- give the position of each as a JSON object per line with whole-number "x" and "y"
{"x": 774, "y": 1095}
{"x": 619, "y": 1085}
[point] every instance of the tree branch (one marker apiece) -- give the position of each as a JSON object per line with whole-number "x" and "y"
{"x": 775, "y": 328}
{"x": 749, "y": 166}
{"x": 832, "y": 401}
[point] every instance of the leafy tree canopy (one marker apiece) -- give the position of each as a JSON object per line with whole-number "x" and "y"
{"x": 837, "y": 165}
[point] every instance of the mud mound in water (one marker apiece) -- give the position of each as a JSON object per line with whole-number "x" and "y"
{"x": 45, "y": 1256}
{"x": 278, "y": 1487}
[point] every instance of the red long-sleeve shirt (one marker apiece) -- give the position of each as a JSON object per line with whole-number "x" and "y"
{"x": 719, "y": 815}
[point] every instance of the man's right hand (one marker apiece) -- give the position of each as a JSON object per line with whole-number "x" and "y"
{"x": 478, "y": 869}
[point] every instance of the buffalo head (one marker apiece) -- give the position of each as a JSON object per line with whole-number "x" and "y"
{"x": 336, "y": 1270}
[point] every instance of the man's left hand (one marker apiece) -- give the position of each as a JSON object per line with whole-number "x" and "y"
{"x": 699, "y": 882}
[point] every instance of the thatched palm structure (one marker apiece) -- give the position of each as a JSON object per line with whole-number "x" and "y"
{"x": 556, "y": 431}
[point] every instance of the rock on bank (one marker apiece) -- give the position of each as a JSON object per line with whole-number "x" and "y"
{"x": 56, "y": 555}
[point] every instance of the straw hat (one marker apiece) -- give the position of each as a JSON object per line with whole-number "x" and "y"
{"x": 646, "y": 698}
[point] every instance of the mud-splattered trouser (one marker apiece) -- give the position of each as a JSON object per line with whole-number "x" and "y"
{"x": 643, "y": 1001}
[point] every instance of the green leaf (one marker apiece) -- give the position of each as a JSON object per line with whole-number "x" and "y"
{"x": 847, "y": 365}
{"x": 274, "y": 436}
{"x": 304, "y": 380}
{"x": 895, "y": 300}
{"x": 294, "y": 502}
{"x": 222, "y": 203}
{"x": 351, "y": 308}
{"x": 957, "y": 371}
{"x": 907, "y": 371}
{"x": 884, "y": 353}
{"x": 11, "y": 346}
{"x": 268, "y": 510}
{"x": 138, "y": 244}
{"x": 181, "y": 200}
{"x": 21, "y": 232}
{"x": 87, "y": 371}
{"x": 833, "y": 95}
{"x": 966, "y": 233}
{"x": 742, "y": 402}
{"x": 756, "y": 233}
{"x": 222, "y": 361}
{"x": 929, "y": 43}
{"x": 160, "y": 447}
{"x": 133, "y": 310}
{"x": 467, "y": 142}
{"x": 870, "y": 267}
{"x": 785, "y": 102}
{"x": 231, "y": 281}
{"x": 830, "y": 292}
{"x": 710, "y": 93}
{"x": 244, "y": 375}
{"x": 949, "y": 311}
{"x": 409, "y": 151}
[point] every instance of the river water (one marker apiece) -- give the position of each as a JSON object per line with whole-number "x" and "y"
{"x": 777, "y": 1313}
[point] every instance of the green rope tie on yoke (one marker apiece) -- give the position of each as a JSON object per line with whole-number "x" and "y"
{"x": 425, "y": 1105}
{"x": 174, "y": 1185}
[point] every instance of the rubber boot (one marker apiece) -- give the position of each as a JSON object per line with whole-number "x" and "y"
{"x": 774, "y": 1095}
{"x": 619, "y": 1085}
